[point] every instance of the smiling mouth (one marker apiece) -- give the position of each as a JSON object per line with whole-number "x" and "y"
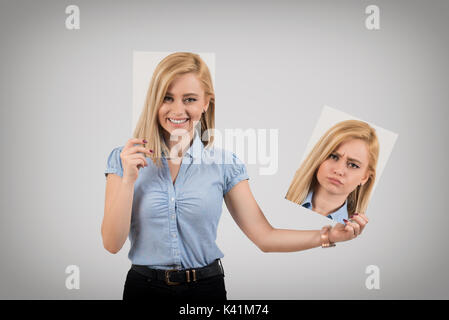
{"x": 178, "y": 121}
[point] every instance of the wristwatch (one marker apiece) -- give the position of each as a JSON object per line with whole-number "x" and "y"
{"x": 325, "y": 243}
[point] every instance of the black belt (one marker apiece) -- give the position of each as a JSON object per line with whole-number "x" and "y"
{"x": 175, "y": 276}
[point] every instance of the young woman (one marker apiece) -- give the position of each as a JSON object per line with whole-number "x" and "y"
{"x": 338, "y": 175}
{"x": 165, "y": 190}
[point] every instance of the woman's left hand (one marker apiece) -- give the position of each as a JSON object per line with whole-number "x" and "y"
{"x": 351, "y": 230}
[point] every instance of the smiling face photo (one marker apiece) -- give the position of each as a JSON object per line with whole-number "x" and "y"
{"x": 337, "y": 177}
{"x": 179, "y": 101}
{"x": 183, "y": 105}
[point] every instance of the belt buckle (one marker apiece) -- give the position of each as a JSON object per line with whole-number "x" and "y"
{"x": 167, "y": 277}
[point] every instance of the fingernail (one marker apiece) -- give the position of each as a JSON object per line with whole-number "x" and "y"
{"x": 355, "y": 214}
{"x": 145, "y": 141}
{"x": 151, "y": 151}
{"x": 346, "y": 221}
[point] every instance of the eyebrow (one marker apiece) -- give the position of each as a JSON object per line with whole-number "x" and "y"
{"x": 349, "y": 159}
{"x": 186, "y": 94}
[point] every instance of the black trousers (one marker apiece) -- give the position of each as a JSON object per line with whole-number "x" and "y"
{"x": 139, "y": 287}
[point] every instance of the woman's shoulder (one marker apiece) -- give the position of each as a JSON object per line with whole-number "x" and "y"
{"x": 114, "y": 162}
{"x": 115, "y": 153}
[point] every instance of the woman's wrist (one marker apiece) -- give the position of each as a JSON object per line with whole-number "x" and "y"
{"x": 325, "y": 237}
{"x": 329, "y": 235}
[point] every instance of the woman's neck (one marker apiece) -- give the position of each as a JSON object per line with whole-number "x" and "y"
{"x": 178, "y": 147}
{"x": 326, "y": 203}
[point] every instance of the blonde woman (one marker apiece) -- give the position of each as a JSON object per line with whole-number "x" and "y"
{"x": 337, "y": 177}
{"x": 165, "y": 190}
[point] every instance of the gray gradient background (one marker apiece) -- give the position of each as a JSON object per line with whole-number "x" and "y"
{"x": 66, "y": 101}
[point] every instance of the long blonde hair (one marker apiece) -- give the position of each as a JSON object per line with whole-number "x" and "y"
{"x": 305, "y": 178}
{"x": 166, "y": 71}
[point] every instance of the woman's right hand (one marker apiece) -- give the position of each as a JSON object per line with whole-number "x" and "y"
{"x": 350, "y": 230}
{"x": 133, "y": 158}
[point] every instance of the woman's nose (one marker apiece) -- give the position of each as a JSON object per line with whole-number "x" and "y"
{"x": 178, "y": 107}
{"x": 339, "y": 168}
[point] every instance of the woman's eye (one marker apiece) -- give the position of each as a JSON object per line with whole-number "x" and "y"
{"x": 167, "y": 98}
{"x": 333, "y": 156}
{"x": 190, "y": 100}
{"x": 353, "y": 165}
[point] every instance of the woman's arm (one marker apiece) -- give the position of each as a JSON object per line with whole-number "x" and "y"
{"x": 117, "y": 212}
{"x": 249, "y": 217}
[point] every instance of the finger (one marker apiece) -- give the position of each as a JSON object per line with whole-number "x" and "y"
{"x": 339, "y": 225}
{"x": 354, "y": 225}
{"x": 138, "y": 156}
{"x": 364, "y": 217}
{"x": 350, "y": 228}
{"x": 140, "y": 164}
{"x": 359, "y": 220}
{"x": 134, "y": 141}
{"x": 142, "y": 150}
{"x": 137, "y": 149}
{"x": 350, "y": 231}
{"x": 360, "y": 216}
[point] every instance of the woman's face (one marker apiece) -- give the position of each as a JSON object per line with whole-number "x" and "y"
{"x": 183, "y": 105}
{"x": 345, "y": 169}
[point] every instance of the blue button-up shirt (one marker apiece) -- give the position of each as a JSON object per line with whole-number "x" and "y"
{"x": 175, "y": 225}
{"x": 338, "y": 215}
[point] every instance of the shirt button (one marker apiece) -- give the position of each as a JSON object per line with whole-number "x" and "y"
{"x": 174, "y": 235}
{"x": 173, "y": 216}
{"x": 172, "y": 199}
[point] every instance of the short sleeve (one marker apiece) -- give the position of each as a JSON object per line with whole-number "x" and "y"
{"x": 114, "y": 163}
{"x": 234, "y": 172}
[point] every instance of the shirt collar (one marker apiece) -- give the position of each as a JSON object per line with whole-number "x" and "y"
{"x": 308, "y": 201}
{"x": 196, "y": 149}
{"x": 338, "y": 215}
{"x": 341, "y": 213}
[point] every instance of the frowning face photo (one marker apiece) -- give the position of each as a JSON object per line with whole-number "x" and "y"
{"x": 345, "y": 170}
{"x": 337, "y": 176}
